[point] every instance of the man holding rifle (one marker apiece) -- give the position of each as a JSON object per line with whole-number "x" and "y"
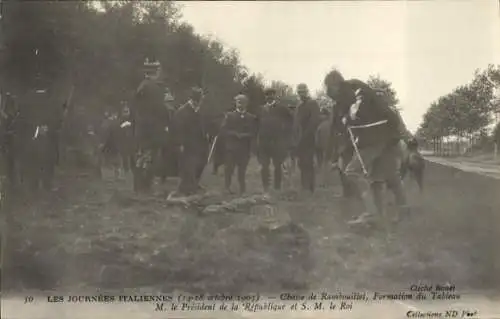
{"x": 374, "y": 131}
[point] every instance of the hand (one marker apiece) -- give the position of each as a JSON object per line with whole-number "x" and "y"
{"x": 353, "y": 111}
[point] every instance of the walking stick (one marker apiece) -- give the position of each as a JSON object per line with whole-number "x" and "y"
{"x": 212, "y": 148}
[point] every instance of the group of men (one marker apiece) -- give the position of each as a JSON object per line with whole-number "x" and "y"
{"x": 365, "y": 139}
{"x": 274, "y": 132}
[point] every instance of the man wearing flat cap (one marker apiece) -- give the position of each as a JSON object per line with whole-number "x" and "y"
{"x": 238, "y": 130}
{"x": 307, "y": 117}
{"x": 191, "y": 140}
{"x": 274, "y": 138}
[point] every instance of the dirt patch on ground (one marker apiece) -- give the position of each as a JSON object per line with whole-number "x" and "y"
{"x": 93, "y": 234}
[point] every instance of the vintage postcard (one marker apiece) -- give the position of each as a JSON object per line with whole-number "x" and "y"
{"x": 250, "y": 159}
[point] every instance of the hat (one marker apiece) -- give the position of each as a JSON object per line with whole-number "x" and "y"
{"x": 302, "y": 87}
{"x": 270, "y": 91}
{"x": 334, "y": 76}
{"x": 241, "y": 97}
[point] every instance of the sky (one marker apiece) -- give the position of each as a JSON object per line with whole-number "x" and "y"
{"x": 425, "y": 48}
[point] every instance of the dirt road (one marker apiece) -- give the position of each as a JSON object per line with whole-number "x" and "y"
{"x": 95, "y": 236}
{"x": 490, "y": 170}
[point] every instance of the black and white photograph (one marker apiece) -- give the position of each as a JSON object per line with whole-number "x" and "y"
{"x": 250, "y": 159}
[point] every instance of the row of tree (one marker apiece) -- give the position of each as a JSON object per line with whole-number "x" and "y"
{"x": 466, "y": 112}
{"x": 96, "y": 49}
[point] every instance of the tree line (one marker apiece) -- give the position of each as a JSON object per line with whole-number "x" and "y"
{"x": 465, "y": 113}
{"x": 93, "y": 53}
{"x": 95, "y": 50}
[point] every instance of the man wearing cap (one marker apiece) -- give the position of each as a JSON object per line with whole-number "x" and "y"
{"x": 191, "y": 140}
{"x": 373, "y": 130}
{"x": 274, "y": 138}
{"x": 238, "y": 129}
{"x": 307, "y": 117}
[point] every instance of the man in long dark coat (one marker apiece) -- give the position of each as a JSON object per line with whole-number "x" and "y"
{"x": 147, "y": 115}
{"x": 238, "y": 131}
{"x": 192, "y": 141}
{"x": 307, "y": 117}
{"x": 169, "y": 155}
{"x": 275, "y": 122}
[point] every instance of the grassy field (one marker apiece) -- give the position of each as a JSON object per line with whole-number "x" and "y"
{"x": 93, "y": 234}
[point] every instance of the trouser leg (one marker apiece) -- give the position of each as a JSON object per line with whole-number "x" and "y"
{"x": 349, "y": 189}
{"x": 378, "y": 197}
{"x": 201, "y": 162}
{"x": 278, "y": 170}
{"x": 386, "y": 169}
{"x": 242, "y": 169}
{"x": 229, "y": 169}
{"x": 265, "y": 162}
{"x": 306, "y": 165}
{"x": 356, "y": 175}
{"x": 188, "y": 168}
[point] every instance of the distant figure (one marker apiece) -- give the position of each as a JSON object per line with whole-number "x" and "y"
{"x": 322, "y": 138}
{"x": 238, "y": 130}
{"x": 413, "y": 162}
{"x": 125, "y": 136}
